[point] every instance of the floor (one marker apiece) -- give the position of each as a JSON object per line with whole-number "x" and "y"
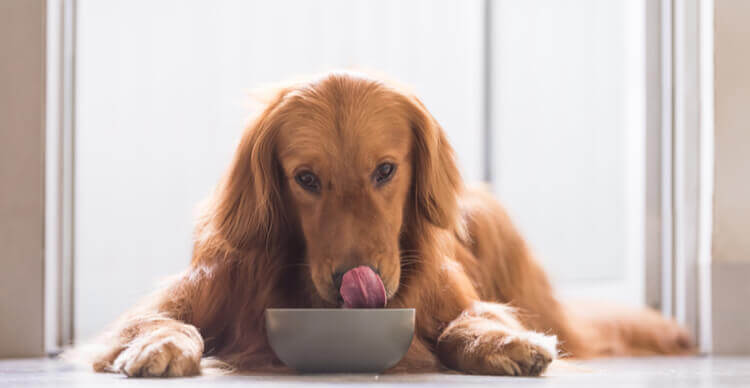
{"x": 644, "y": 372}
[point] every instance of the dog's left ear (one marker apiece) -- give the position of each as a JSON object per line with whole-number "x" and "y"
{"x": 436, "y": 179}
{"x": 248, "y": 206}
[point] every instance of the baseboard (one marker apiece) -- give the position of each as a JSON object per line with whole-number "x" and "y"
{"x": 730, "y": 307}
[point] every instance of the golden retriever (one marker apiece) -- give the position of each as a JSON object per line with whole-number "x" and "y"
{"x": 344, "y": 191}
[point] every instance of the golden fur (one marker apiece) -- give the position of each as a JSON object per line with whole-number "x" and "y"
{"x": 484, "y": 305}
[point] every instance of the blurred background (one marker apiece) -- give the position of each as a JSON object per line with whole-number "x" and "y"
{"x": 592, "y": 121}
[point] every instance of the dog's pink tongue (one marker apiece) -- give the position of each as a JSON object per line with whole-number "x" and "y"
{"x": 361, "y": 287}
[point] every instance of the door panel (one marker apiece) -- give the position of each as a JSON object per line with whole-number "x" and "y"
{"x": 568, "y": 138}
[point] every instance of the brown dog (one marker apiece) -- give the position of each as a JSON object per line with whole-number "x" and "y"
{"x": 345, "y": 172}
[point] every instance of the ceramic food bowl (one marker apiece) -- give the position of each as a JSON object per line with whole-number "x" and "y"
{"x": 340, "y": 340}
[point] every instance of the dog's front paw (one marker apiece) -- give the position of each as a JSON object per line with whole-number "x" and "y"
{"x": 528, "y": 354}
{"x": 522, "y": 354}
{"x": 167, "y": 351}
{"x": 488, "y": 339}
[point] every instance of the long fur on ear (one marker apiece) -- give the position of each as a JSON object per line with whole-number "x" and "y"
{"x": 437, "y": 181}
{"x": 247, "y": 207}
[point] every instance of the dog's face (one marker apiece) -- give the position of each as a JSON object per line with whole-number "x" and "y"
{"x": 345, "y": 157}
{"x": 350, "y": 162}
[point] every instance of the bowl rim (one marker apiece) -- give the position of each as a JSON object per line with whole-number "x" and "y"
{"x": 303, "y": 309}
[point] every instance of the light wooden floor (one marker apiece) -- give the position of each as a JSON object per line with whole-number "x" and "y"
{"x": 644, "y": 372}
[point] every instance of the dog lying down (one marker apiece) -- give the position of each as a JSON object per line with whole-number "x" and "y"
{"x": 344, "y": 192}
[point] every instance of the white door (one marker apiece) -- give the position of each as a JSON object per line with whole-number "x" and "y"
{"x": 568, "y": 115}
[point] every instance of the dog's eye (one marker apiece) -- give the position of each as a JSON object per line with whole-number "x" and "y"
{"x": 383, "y": 173}
{"x": 308, "y": 181}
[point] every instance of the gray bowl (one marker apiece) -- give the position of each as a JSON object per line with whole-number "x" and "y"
{"x": 340, "y": 340}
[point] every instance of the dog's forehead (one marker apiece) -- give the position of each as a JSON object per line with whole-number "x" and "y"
{"x": 354, "y": 130}
{"x": 361, "y": 144}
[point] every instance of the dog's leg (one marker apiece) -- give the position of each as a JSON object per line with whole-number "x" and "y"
{"x": 614, "y": 330}
{"x": 472, "y": 336}
{"x": 488, "y": 339}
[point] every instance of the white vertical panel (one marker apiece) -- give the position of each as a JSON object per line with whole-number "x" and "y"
{"x": 706, "y": 173}
{"x": 160, "y": 91}
{"x": 569, "y": 150}
{"x": 687, "y": 163}
{"x": 52, "y": 178}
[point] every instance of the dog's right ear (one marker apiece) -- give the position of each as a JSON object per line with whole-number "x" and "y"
{"x": 437, "y": 181}
{"x": 247, "y": 207}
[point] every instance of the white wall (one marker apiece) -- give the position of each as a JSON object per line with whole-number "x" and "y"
{"x": 732, "y": 131}
{"x": 730, "y": 268}
{"x": 568, "y": 137}
{"x": 160, "y": 98}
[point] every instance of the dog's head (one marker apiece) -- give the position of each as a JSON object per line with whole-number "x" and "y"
{"x": 350, "y": 165}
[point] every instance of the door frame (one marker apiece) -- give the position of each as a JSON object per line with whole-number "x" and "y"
{"x": 680, "y": 131}
{"x": 60, "y": 154}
